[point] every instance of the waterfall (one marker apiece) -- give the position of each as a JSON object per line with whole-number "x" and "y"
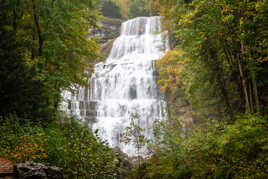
{"x": 125, "y": 85}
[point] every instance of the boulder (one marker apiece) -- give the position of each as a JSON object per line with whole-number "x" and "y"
{"x": 37, "y": 171}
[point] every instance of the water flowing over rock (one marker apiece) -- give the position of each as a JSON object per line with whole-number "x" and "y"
{"x": 125, "y": 85}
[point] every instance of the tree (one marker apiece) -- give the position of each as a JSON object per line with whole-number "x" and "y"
{"x": 45, "y": 45}
{"x": 134, "y": 134}
{"x": 217, "y": 36}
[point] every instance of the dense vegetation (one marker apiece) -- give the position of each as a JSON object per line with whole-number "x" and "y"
{"x": 65, "y": 143}
{"x": 218, "y": 68}
{"x": 226, "y": 40}
{"x": 213, "y": 150}
{"x": 44, "y": 49}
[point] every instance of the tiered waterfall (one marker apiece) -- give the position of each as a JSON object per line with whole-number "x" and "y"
{"x": 125, "y": 85}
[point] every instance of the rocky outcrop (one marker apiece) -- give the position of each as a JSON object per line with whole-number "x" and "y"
{"x": 109, "y": 29}
{"x": 106, "y": 48}
{"x": 36, "y": 170}
{"x": 29, "y": 171}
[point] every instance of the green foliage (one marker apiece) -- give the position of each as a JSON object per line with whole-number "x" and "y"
{"x": 44, "y": 49}
{"x": 21, "y": 143}
{"x": 222, "y": 72}
{"x": 79, "y": 151}
{"x": 19, "y": 92}
{"x": 134, "y": 134}
{"x": 67, "y": 144}
{"x": 216, "y": 151}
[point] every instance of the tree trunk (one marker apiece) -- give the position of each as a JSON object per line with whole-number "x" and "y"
{"x": 37, "y": 25}
{"x": 244, "y": 85}
{"x": 250, "y": 97}
{"x": 52, "y": 3}
{"x": 254, "y": 86}
{"x": 32, "y": 50}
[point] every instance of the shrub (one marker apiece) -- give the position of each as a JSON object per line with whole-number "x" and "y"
{"x": 218, "y": 150}
{"x": 65, "y": 143}
{"x": 72, "y": 146}
{"x": 20, "y": 141}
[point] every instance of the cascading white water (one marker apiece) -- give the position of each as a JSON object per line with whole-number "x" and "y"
{"x": 125, "y": 84}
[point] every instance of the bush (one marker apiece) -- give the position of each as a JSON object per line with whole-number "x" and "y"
{"x": 65, "y": 143}
{"x": 218, "y": 150}
{"x": 72, "y": 145}
{"x": 19, "y": 141}
{"x": 243, "y": 148}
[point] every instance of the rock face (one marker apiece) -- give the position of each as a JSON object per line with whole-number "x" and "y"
{"x": 28, "y": 171}
{"x": 110, "y": 29}
{"x": 36, "y": 171}
{"x": 106, "y": 48}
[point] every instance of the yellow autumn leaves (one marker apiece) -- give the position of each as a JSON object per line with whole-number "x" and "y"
{"x": 28, "y": 148}
{"x": 169, "y": 68}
